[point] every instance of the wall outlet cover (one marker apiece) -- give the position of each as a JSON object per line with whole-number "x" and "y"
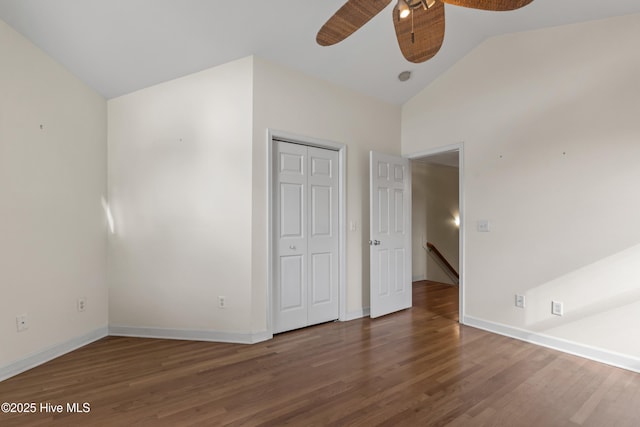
{"x": 22, "y": 322}
{"x": 557, "y": 308}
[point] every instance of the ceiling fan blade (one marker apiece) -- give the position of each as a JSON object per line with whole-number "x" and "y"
{"x": 498, "y": 5}
{"x": 428, "y": 30}
{"x": 350, "y": 17}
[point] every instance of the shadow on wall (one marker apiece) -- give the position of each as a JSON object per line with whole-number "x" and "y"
{"x": 606, "y": 289}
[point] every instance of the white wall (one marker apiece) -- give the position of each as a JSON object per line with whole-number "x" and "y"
{"x": 180, "y": 184}
{"x": 550, "y": 126}
{"x": 52, "y": 227}
{"x": 290, "y": 101}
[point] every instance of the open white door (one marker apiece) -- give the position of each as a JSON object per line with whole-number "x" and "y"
{"x": 390, "y": 231}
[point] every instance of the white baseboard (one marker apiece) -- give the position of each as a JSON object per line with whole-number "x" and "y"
{"x": 599, "y": 355}
{"x": 418, "y": 278}
{"x": 357, "y": 314}
{"x": 189, "y": 334}
{"x": 50, "y": 353}
{"x": 588, "y": 352}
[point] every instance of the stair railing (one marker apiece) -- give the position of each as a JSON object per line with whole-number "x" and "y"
{"x": 442, "y": 261}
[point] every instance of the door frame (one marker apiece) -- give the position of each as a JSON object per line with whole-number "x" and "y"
{"x": 271, "y": 215}
{"x": 461, "y": 234}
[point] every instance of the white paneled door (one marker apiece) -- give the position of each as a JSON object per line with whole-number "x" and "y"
{"x": 390, "y": 244}
{"x": 307, "y": 240}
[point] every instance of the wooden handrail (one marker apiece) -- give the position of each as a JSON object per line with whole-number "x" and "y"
{"x": 441, "y": 257}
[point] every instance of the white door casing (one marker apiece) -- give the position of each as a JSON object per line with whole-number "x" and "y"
{"x": 390, "y": 234}
{"x": 307, "y": 240}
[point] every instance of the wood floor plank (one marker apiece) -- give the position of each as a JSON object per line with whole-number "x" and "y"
{"x": 415, "y": 367}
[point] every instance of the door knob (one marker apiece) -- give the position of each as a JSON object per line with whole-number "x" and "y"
{"x": 374, "y": 242}
{"x": 292, "y": 247}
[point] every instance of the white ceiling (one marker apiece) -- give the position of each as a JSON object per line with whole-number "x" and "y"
{"x": 119, "y": 46}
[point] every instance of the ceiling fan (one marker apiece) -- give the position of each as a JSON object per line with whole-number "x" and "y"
{"x": 419, "y": 23}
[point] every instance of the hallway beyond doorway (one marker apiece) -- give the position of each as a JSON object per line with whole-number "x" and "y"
{"x": 439, "y": 299}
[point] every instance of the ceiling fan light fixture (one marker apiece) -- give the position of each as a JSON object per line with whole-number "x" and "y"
{"x": 430, "y": 3}
{"x": 403, "y": 9}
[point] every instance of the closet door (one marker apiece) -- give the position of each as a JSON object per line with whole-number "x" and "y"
{"x": 323, "y": 235}
{"x": 290, "y": 290}
{"x": 306, "y": 263}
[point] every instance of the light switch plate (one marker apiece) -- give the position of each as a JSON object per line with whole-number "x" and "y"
{"x": 483, "y": 226}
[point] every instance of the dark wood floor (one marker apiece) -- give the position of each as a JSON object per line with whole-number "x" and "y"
{"x": 417, "y": 367}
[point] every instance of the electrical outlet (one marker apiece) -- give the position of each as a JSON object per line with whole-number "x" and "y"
{"x": 557, "y": 308}
{"x": 222, "y": 302}
{"x": 22, "y": 322}
{"x": 520, "y": 301}
{"x": 82, "y": 304}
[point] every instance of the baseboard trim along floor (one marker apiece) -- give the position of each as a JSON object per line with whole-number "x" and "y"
{"x": 51, "y": 353}
{"x": 189, "y": 334}
{"x": 599, "y": 355}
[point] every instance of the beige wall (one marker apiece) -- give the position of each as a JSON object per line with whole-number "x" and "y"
{"x": 52, "y": 228}
{"x": 419, "y": 193}
{"x": 180, "y": 187}
{"x": 550, "y": 126}
{"x": 290, "y": 101}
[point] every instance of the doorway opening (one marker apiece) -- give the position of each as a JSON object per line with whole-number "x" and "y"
{"x": 437, "y": 234}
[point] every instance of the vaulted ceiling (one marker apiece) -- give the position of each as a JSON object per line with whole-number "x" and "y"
{"x": 119, "y": 46}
